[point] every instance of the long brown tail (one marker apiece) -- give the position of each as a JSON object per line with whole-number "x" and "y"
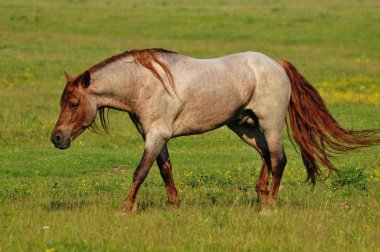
{"x": 316, "y": 132}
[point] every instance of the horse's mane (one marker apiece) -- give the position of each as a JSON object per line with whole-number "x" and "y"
{"x": 144, "y": 57}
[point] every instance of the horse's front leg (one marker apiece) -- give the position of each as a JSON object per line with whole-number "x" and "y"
{"x": 153, "y": 146}
{"x": 165, "y": 166}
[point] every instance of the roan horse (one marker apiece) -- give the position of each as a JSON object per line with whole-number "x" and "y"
{"x": 168, "y": 95}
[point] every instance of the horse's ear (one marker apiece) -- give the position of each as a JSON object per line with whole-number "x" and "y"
{"x": 68, "y": 77}
{"x": 86, "y": 79}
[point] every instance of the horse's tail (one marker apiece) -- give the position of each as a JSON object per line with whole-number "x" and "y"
{"x": 316, "y": 132}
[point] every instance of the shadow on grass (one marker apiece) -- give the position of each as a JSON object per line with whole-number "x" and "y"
{"x": 57, "y": 205}
{"x": 208, "y": 202}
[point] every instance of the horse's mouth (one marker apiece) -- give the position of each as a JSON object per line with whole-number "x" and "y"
{"x": 63, "y": 147}
{"x": 64, "y": 141}
{"x": 77, "y": 133}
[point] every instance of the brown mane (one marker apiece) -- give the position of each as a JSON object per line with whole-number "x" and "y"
{"x": 145, "y": 58}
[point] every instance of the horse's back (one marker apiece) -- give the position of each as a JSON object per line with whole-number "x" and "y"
{"x": 245, "y": 70}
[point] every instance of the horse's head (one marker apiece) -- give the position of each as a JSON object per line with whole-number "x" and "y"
{"x": 78, "y": 111}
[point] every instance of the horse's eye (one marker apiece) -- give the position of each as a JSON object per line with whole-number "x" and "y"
{"x": 74, "y": 105}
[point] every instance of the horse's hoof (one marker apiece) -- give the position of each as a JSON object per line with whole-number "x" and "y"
{"x": 121, "y": 213}
{"x": 173, "y": 207}
{"x": 268, "y": 211}
{"x": 128, "y": 209}
{"x": 124, "y": 212}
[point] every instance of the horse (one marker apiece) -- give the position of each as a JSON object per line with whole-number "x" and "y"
{"x": 168, "y": 95}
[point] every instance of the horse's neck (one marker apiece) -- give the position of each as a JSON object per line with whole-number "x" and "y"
{"x": 113, "y": 87}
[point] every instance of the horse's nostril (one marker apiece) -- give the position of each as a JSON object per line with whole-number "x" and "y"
{"x": 57, "y": 139}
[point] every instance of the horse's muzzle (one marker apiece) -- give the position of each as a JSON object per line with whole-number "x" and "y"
{"x": 60, "y": 141}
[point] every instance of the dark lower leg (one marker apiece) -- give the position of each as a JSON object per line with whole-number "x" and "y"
{"x": 167, "y": 176}
{"x": 153, "y": 146}
{"x": 262, "y": 184}
{"x": 138, "y": 178}
{"x": 277, "y": 171}
{"x": 130, "y": 202}
{"x": 165, "y": 166}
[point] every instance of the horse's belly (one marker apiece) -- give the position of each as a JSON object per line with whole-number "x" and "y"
{"x": 206, "y": 114}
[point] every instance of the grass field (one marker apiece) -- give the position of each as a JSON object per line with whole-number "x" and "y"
{"x": 53, "y": 200}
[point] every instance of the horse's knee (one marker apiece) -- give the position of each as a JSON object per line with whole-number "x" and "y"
{"x": 284, "y": 160}
{"x": 278, "y": 165}
{"x": 165, "y": 170}
{"x": 262, "y": 188}
{"x": 140, "y": 175}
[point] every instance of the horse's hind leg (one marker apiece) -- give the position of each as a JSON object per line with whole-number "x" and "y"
{"x": 273, "y": 136}
{"x": 165, "y": 166}
{"x": 265, "y": 135}
{"x": 262, "y": 186}
{"x": 253, "y": 136}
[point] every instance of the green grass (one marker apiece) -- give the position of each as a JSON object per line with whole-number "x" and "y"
{"x": 66, "y": 200}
